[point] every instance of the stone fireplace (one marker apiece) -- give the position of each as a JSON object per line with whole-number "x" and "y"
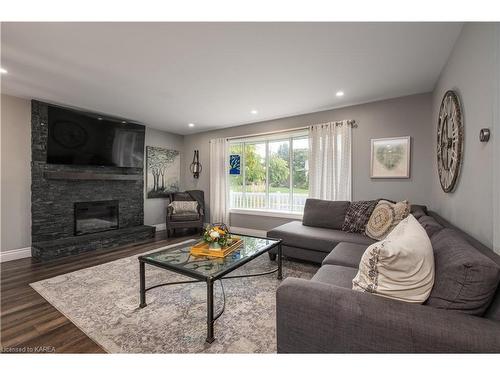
{"x": 76, "y": 209}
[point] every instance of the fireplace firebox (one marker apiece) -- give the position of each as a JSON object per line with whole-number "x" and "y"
{"x": 93, "y": 217}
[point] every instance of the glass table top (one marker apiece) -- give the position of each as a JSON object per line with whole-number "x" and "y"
{"x": 179, "y": 258}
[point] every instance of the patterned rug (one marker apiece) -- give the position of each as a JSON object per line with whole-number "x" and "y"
{"x": 103, "y": 302}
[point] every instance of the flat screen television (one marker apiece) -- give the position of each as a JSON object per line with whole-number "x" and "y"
{"x": 82, "y": 138}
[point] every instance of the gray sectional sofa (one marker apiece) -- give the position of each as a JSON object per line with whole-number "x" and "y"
{"x": 324, "y": 314}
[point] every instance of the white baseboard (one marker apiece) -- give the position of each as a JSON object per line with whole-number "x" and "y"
{"x": 160, "y": 227}
{"x": 249, "y": 231}
{"x": 14, "y": 254}
{"x": 163, "y": 226}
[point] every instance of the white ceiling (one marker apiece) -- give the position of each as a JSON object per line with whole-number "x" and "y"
{"x": 167, "y": 75}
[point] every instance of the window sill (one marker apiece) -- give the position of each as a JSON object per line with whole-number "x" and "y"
{"x": 256, "y": 212}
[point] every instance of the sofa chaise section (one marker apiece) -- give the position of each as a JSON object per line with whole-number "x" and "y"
{"x": 312, "y": 243}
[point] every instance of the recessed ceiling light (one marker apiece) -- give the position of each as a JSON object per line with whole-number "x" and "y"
{"x": 99, "y": 118}
{"x": 3, "y": 71}
{"x": 254, "y": 112}
{"x": 124, "y": 122}
{"x": 191, "y": 125}
{"x": 340, "y": 93}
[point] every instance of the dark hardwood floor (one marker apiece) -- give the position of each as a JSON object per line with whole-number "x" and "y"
{"x": 29, "y": 323}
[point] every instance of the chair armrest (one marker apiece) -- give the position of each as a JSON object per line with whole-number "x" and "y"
{"x": 200, "y": 210}
{"x": 170, "y": 210}
{"x": 314, "y": 317}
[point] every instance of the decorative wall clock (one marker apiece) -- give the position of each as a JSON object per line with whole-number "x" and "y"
{"x": 450, "y": 141}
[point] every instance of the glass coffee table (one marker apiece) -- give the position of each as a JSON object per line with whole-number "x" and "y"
{"x": 207, "y": 269}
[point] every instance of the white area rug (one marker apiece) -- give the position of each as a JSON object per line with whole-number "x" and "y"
{"x": 103, "y": 302}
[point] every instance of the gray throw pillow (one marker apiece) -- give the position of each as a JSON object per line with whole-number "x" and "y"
{"x": 430, "y": 225}
{"x": 357, "y": 216}
{"x": 465, "y": 279}
{"x": 418, "y": 210}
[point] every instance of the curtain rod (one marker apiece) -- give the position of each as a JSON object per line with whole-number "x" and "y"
{"x": 268, "y": 133}
{"x": 351, "y": 122}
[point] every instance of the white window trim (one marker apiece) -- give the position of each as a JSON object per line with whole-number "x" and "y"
{"x": 269, "y": 213}
{"x": 266, "y": 138}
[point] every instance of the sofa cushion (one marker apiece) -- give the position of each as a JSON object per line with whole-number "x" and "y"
{"x": 466, "y": 280}
{"x": 299, "y": 253}
{"x": 324, "y": 214}
{"x": 320, "y": 239}
{"x": 357, "y": 215}
{"x": 385, "y": 217}
{"x": 335, "y": 275}
{"x": 400, "y": 267}
{"x": 346, "y": 254}
{"x": 418, "y": 210}
{"x": 430, "y": 225}
{"x": 184, "y": 217}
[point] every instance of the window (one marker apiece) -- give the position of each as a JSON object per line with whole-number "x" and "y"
{"x": 274, "y": 172}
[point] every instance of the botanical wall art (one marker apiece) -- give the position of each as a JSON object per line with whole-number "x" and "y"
{"x": 163, "y": 171}
{"x": 390, "y": 157}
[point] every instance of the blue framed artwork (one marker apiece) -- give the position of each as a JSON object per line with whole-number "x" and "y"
{"x": 234, "y": 164}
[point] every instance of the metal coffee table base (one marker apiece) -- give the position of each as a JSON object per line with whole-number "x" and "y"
{"x": 210, "y": 290}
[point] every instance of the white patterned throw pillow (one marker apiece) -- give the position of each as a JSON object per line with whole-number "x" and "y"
{"x": 184, "y": 207}
{"x": 385, "y": 217}
{"x": 399, "y": 267}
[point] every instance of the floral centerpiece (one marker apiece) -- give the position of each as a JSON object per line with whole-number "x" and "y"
{"x": 217, "y": 236}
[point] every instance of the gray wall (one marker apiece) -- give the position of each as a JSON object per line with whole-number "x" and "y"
{"x": 15, "y": 173}
{"x": 470, "y": 71}
{"x": 496, "y": 146}
{"x": 405, "y": 116}
{"x": 154, "y": 209}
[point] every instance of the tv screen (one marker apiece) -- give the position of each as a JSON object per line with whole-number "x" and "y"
{"x": 82, "y": 138}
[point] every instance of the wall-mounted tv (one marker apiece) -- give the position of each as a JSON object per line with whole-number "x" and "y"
{"x": 82, "y": 138}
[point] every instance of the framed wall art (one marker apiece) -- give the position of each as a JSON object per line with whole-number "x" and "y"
{"x": 390, "y": 157}
{"x": 163, "y": 172}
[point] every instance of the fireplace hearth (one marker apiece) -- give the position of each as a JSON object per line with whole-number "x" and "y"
{"x": 94, "y": 217}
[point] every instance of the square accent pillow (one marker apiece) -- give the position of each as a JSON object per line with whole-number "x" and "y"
{"x": 357, "y": 215}
{"x": 184, "y": 207}
{"x": 385, "y": 217}
{"x": 400, "y": 267}
{"x": 466, "y": 279}
{"x": 430, "y": 225}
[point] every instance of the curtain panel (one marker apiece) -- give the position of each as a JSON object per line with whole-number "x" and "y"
{"x": 330, "y": 148}
{"x": 219, "y": 209}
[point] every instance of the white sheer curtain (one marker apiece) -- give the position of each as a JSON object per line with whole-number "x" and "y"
{"x": 330, "y": 160}
{"x": 219, "y": 203}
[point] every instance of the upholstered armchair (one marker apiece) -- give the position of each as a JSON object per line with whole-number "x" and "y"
{"x": 183, "y": 220}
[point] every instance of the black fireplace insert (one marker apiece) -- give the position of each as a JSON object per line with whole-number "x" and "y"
{"x": 93, "y": 217}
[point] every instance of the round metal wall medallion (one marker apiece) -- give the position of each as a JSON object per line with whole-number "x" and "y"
{"x": 450, "y": 140}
